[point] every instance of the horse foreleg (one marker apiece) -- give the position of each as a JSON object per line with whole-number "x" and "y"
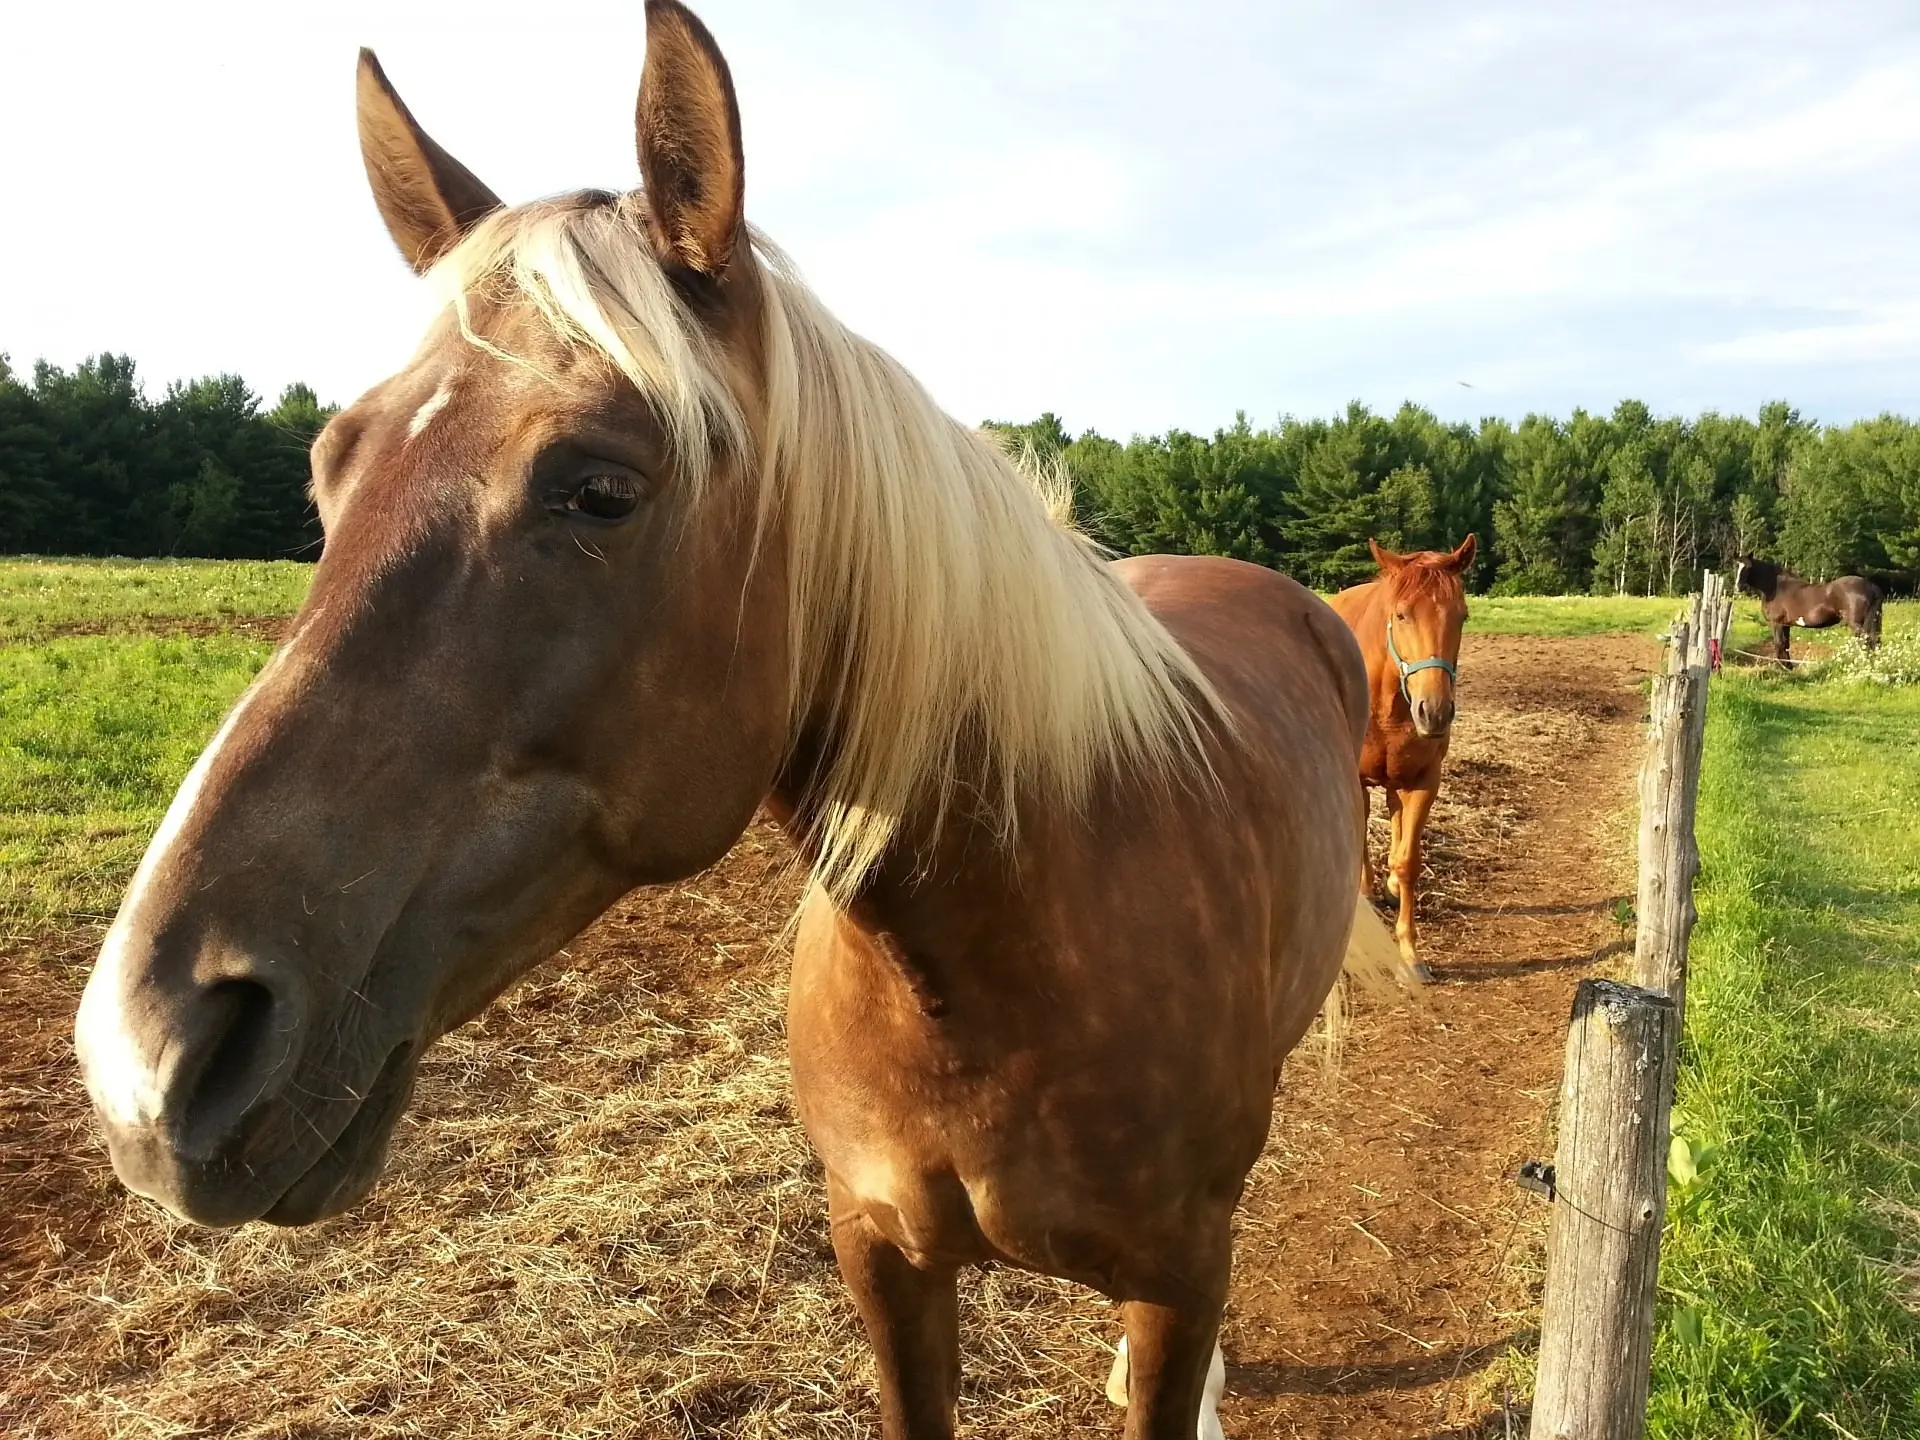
{"x": 1782, "y": 643}
{"x": 1413, "y": 809}
{"x": 1368, "y": 880}
{"x": 912, "y": 1320}
{"x": 1208, "y": 1427}
{"x": 1394, "y": 822}
{"x": 1171, "y": 1368}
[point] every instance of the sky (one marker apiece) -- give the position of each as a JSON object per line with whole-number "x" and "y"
{"x": 1137, "y": 215}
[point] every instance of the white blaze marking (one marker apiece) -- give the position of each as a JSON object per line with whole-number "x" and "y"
{"x": 122, "y": 1075}
{"x": 423, "y": 417}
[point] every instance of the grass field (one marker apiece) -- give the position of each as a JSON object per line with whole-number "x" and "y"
{"x": 112, "y": 675}
{"x": 95, "y": 733}
{"x": 1791, "y": 1278}
{"x": 1570, "y": 615}
{"x": 44, "y": 598}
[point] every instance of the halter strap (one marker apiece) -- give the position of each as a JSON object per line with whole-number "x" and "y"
{"x": 1432, "y": 662}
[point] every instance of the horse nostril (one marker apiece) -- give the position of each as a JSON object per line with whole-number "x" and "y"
{"x": 241, "y": 1046}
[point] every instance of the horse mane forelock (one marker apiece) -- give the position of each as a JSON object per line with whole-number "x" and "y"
{"x": 944, "y": 611}
{"x": 1424, "y": 577}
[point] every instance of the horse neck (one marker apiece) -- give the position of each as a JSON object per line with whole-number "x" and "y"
{"x": 949, "y": 877}
{"x": 1370, "y": 615}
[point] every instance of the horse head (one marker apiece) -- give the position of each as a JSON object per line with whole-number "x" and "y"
{"x": 545, "y": 658}
{"x": 1756, "y": 576}
{"x": 1426, "y": 605}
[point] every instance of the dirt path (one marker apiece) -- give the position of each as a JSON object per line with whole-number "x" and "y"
{"x": 1382, "y": 1266}
{"x": 601, "y": 1216}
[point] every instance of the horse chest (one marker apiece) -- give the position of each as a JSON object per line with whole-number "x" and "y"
{"x": 1015, "y": 1133}
{"x": 1394, "y": 754}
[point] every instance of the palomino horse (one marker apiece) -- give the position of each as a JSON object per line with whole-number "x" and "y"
{"x": 1408, "y": 625}
{"x": 1787, "y": 600}
{"x": 639, "y": 538}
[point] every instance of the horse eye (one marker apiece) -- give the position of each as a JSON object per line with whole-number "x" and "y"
{"x": 603, "y": 497}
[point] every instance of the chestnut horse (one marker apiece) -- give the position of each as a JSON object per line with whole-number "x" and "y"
{"x": 1786, "y": 600}
{"x": 640, "y": 538}
{"x": 1408, "y": 625}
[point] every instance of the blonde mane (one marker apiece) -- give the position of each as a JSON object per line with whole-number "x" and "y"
{"x": 944, "y": 613}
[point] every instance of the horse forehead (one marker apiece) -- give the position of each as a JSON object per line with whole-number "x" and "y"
{"x": 457, "y": 403}
{"x": 1429, "y": 586}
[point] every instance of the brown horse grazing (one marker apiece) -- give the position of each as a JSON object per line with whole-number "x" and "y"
{"x": 640, "y": 538}
{"x": 1786, "y": 600}
{"x": 1408, "y": 625}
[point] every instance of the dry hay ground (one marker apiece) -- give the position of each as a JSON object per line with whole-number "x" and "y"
{"x": 602, "y": 1220}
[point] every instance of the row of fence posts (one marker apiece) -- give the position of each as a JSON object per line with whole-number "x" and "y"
{"x": 1609, "y": 1178}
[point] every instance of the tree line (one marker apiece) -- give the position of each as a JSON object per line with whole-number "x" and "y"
{"x": 1621, "y": 503}
{"x": 1627, "y": 503}
{"x": 90, "y": 465}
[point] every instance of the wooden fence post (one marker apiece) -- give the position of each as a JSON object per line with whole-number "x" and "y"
{"x": 1610, "y": 1169}
{"x": 1669, "y": 793}
{"x": 1603, "y": 1251}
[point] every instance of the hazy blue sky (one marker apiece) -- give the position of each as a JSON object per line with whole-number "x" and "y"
{"x": 1138, "y": 215}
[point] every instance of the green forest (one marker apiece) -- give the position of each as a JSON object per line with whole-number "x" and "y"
{"x": 1626, "y": 503}
{"x": 90, "y": 465}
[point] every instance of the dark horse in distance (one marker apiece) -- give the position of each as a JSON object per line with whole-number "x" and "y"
{"x": 1787, "y": 600}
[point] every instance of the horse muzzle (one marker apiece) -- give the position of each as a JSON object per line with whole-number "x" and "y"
{"x": 212, "y": 1099}
{"x": 1432, "y": 719}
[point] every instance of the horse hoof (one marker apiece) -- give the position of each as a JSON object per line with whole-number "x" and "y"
{"x": 1423, "y": 972}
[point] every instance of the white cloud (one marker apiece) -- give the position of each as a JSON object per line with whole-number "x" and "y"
{"x": 1891, "y": 336}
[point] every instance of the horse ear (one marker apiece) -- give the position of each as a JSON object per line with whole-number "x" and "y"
{"x": 1461, "y": 558}
{"x": 688, "y": 125}
{"x": 1384, "y": 557}
{"x": 428, "y": 198}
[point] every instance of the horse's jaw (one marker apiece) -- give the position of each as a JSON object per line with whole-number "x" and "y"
{"x": 343, "y": 1174}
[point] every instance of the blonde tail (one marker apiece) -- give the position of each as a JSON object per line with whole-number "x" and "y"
{"x": 1374, "y": 966}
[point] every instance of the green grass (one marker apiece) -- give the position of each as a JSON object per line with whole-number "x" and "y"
{"x": 1570, "y": 614}
{"x": 1791, "y": 1277}
{"x": 95, "y": 735}
{"x": 1644, "y": 615}
{"x": 40, "y": 599}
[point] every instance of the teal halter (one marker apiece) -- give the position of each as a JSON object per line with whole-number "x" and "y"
{"x": 1432, "y": 662}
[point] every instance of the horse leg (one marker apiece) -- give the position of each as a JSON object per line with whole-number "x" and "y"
{"x": 1394, "y": 821}
{"x": 1414, "y": 806}
{"x": 912, "y": 1320}
{"x": 1170, "y": 1363}
{"x": 1369, "y": 881}
{"x": 1208, "y": 1426}
{"x": 1782, "y": 642}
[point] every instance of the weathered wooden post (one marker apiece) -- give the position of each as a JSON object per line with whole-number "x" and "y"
{"x": 1603, "y": 1251}
{"x": 1669, "y": 793}
{"x": 1669, "y": 858}
{"x": 1610, "y": 1170}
